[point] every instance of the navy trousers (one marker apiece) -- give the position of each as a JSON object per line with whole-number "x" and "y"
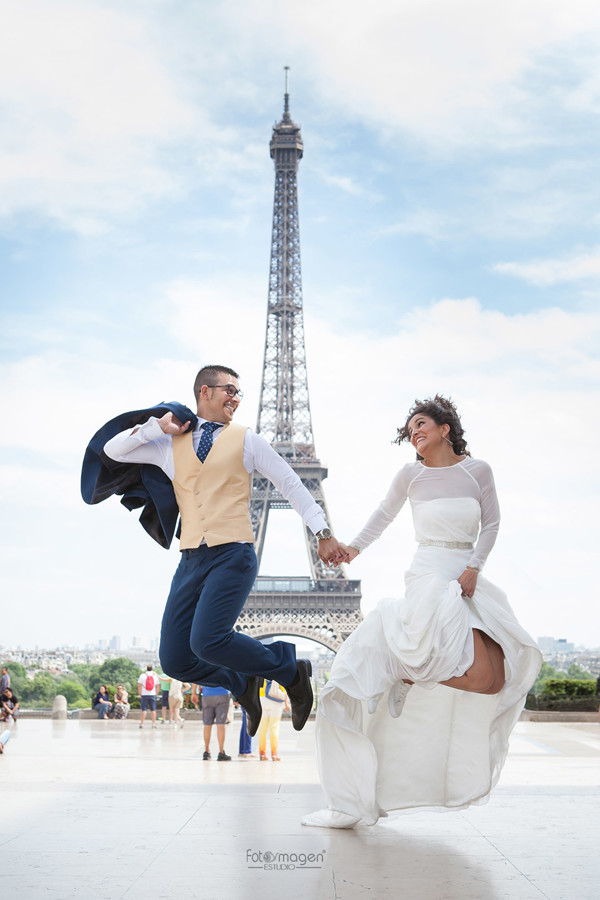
{"x": 197, "y": 641}
{"x": 245, "y": 739}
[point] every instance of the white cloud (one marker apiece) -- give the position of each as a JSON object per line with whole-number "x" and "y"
{"x": 94, "y": 94}
{"x": 88, "y": 105}
{"x": 451, "y": 74}
{"x": 543, "y": 272}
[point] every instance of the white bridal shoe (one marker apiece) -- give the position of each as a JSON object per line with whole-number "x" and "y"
{"x": 397, "y": 698}
{"x": 329, "y": 818}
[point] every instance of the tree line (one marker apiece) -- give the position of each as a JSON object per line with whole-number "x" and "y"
{"x": 574, "y": 689}
{"x": 77, "y": 685}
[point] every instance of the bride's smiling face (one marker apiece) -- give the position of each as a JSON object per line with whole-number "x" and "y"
{"x": 425, "y": 433}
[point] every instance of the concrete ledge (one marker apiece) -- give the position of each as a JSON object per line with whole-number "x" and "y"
{"x": 528, "y": 715}
{"x": 189, "y": 715}
{"x": 560, "y": 715}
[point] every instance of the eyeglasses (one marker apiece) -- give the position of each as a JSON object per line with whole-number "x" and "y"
{"x": 229, "y": 389}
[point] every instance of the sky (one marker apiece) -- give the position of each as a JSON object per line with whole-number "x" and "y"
{"x": 449, "y": 202}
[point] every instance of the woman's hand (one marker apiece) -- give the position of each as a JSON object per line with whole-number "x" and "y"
{"x": 468, "y": 582}
{"x": 350, "y": 552}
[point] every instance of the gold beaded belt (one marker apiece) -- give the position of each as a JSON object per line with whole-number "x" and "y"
{"x": 448, "y": 545}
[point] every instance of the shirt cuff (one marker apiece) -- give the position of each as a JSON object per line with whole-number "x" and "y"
{"x": 149, "y": 431}
{"x": 317, "y": 523}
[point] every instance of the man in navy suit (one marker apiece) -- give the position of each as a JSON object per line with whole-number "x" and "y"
{"x": 209, "y": 461}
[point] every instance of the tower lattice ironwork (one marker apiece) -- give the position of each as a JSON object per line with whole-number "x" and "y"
{"x": 325, "y": 606}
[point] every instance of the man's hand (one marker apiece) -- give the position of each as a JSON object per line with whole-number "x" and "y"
{"x": 332, "y": 552}
{"x": 171, "y": 425}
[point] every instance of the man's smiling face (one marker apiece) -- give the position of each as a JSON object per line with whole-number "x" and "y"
{"x": 215, "y": 403}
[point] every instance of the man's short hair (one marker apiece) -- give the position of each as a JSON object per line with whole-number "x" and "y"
{"x": 209, "y": 375}
{"x": 148, "y": 668}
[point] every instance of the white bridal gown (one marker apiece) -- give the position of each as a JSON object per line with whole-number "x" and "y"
{"x": 447, "y": 747}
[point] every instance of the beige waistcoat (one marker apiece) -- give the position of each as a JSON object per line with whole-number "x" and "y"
{"x": 212, "y": 496}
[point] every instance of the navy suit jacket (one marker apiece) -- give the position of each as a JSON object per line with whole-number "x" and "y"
{"x": 140, "y": 485}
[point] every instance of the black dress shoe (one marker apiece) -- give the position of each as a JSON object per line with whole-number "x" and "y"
{"x": 250, "y": 701}
{"x": 300, "y": 693}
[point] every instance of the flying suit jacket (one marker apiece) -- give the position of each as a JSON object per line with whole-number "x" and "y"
{"x": 139, "y": 484}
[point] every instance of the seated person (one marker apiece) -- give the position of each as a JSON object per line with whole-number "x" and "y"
{"x": 121, "y": 702}
{"x": 9, "y": 705}
{"x": 101, "y": 702}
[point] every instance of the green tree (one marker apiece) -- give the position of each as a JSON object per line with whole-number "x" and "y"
{"x": 119, "y": 671}
{"x": 575, "y": 671}
{"x": 547, "y": 671}
{"x": 81, "y": 672}
{"x": 74, "y": 692}
{"x": 39, "y": 692}
{"x": 88, "y": 674}
{"x": 16, "y": 669}
{"x": 18, "y": 676}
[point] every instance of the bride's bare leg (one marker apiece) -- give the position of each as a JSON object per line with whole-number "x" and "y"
{"x": 486, "y": 675}
{"x": 496, "y": 655}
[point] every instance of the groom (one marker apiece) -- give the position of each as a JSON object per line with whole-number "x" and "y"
{"x": 210, "y": 466}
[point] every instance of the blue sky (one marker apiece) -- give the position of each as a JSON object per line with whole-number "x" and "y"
{"x": 449, "y": 199}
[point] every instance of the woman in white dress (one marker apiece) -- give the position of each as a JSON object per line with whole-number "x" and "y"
{"x": 423, "y": 696}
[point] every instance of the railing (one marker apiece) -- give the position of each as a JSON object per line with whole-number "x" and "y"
{"x": 296, "y": 584}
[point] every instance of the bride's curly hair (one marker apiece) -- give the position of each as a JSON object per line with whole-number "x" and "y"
{"x": 443, "y": 412}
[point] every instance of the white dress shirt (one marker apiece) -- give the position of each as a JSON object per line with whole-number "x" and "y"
{"x": 151, "y": 445}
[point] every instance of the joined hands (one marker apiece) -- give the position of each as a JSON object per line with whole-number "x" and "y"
{"x": 333, "y": 553}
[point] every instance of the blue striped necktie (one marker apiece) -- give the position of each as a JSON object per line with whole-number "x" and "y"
{"x": 206, "y": 439}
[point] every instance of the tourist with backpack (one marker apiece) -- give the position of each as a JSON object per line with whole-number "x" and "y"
{"x": 148, "y": 686}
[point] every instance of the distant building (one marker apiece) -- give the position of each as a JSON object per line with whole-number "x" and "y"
{"x": 555, "y": 645}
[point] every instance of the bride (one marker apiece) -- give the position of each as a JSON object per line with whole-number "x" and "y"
{"x": 423, "y": 696}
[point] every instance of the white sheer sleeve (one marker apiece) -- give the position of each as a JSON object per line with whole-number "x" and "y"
{"x": 490, "y": 513}
{"x": 387, "y": 510}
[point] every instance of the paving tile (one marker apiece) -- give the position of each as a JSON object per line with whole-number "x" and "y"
{"x": 30, "y": 886}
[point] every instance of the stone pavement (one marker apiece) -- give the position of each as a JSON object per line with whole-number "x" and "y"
{"x": 101, "y": 810}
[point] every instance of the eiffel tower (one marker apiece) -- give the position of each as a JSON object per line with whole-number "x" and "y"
{"x": 325, "y": 606}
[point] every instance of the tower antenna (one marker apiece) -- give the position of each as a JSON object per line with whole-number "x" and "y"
{"x": 286, "y": 96}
